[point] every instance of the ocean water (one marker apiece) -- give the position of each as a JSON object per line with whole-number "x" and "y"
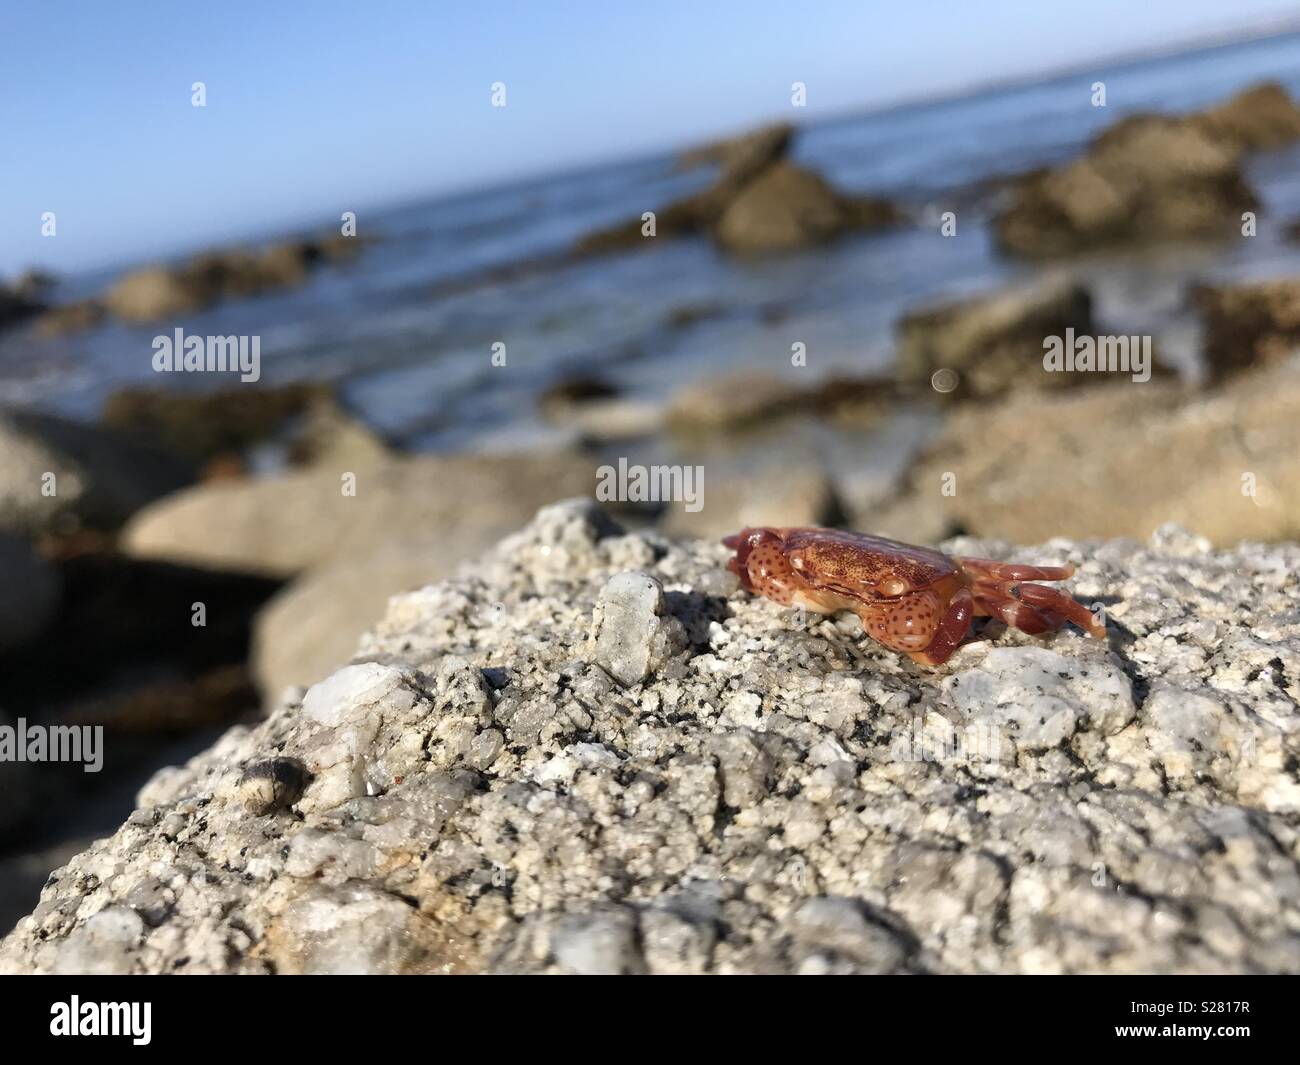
{"x": 409, "y": 347}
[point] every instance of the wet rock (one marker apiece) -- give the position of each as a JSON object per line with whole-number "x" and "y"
{"x": 31, "y": 593}
{"x": 1134, "y": 456}
{"x": 58, "y": 475}
{"x": 788, "y": 207}
{"x": 994, "y": 344}
{"x": 783, "y": 796}
{"x": 1249, "y": 325}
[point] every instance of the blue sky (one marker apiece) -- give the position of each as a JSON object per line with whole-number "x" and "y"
{"x": 316, "y": 108}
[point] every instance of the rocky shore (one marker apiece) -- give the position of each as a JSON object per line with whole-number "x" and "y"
{"x": 590, "y": 752}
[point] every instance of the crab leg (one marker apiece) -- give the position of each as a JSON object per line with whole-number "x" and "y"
{"x": 949, "y": 632}
{"x": 1049, "y": 599}
{"x": 981, "y": 569}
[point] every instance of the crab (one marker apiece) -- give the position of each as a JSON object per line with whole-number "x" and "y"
{"x": 911, "y": 599}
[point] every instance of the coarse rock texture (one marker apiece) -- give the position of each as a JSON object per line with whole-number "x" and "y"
{"x": 476, "y": 793}
{"x": 1113, "y": 460}
{"x": 57, "y": 475}
{"x": 1249, "y": 325}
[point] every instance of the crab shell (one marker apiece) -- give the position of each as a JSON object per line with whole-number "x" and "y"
{"x": 911, "y": 599}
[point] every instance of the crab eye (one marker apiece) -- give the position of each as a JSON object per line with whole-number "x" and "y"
{"x": 892, "y": 586}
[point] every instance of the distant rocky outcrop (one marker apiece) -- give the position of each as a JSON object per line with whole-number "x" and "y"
{"x": 593, "y": 753}
{"x": 1150, "y": 178}
{"x": 156, "y": 292}
{"x": 760, "y": 202}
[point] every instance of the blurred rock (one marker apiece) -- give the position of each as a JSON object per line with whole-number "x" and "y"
{"x": 284, "y": 525}
{"x": 157, "y": 292}
{"x": 788, "y": 207}
{"x": 316, "y": 622}
{"x": 1114, "y": 461}
{"x": 1148, "y": 178}
{"x": 1249, "y": 325}
{"x": 759, "y": 203}
{"x": 994, "y": 343}
{"x": 743, "y": 399}
{"x": 1262, "y": 117}
{"x": 59, "y": 475}
{"x": 747, "y": 153}
{"x": 17, "y": 305}
{"x": 764, "y": 800}
{"x": 202, "y": 426}
{"x": 775, "y": 494}
{"x": 154, "y": 292}
{"x": 71, "y": 318}
{"x": 30, "y": 593}
{"x": 558, "y": 399}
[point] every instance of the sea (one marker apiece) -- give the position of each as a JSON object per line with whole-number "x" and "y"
{"x": 407, "y": 332}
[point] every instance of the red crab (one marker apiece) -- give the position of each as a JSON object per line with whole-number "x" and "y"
{"x": 911, "y": 599}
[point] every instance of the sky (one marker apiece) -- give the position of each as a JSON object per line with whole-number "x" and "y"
{"x": 317, "y": 108}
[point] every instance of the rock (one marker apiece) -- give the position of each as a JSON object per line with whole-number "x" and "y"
{"x": 71, "y": 318}
{"x": 1148, "y": 178}
{"x": 759, "y": 203}
{"x": 561, "y": 397}
{"x": 287, "y": 524}
{"x": 162, "y": 291}
{"x": 58, "y": 475}
{"x": 156, "y": 292}
{"x": 630, "y": 640}
{"x": 780, "y": 494}
{"x": 730, "y": 401}
{"x": 203, "y": 426}
{"x": 745, "y": 399}
{"x": 748, "y": 153}
{"x": 315, "y": 622}
{"x": 17, "y": 305}
{"x": 31, "y": 593}
{"x": 1249, "y": 325}
{"x": 1261, "y": 117}
{"x": 789, "y": 207}
{"x": 995, "y": 343}
{"x": 1113, "y": 461}
{"x": 780, "y": 796}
